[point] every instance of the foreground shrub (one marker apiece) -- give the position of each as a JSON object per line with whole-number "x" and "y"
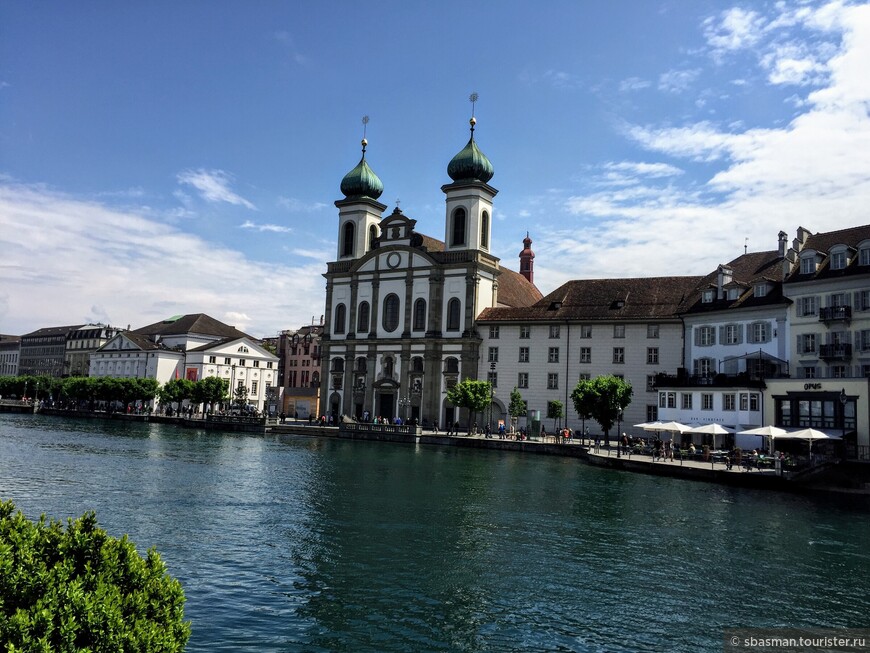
{"x": 79, "y": 589}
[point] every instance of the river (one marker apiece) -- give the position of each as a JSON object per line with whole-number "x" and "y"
{"x": 288, "y": 543}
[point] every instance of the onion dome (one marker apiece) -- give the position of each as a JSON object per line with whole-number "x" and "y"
{"x": 470, "y": 164}
{"x": 362, "y": 181}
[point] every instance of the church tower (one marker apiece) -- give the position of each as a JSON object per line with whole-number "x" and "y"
{"x": 359, "y": 213}
{"x": 468, "y": 223}
{"x": 527, "y": 260}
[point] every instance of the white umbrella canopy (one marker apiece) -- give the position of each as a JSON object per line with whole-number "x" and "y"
{"x": 809, "y": 434}
{"x": 767, "y": 431}
{"x": 666, "y": 426}
{"x": 710, "y": 429}
{"x": 644, "y": 425}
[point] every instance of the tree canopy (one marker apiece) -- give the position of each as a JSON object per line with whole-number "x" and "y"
{"x": 471, "y": 394}
{"x": 80, "y": 589}
{"x": 601, "y": 399}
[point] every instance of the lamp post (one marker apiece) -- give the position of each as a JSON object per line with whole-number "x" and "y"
{"x": 843, "y": 401}
{"x": 618, "y": 436}
{"x": 404, "y": 402}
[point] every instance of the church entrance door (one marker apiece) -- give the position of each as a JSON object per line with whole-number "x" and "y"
{"x": 387, "y": 406}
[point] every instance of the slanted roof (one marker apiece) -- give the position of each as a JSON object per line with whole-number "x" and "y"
{"x": 604, "y": 300}
{"x": 823, "y": 242}
{"x": 747, "y": 269}
{"x": 194, "y": 323}
{"x": 52, "y": 331}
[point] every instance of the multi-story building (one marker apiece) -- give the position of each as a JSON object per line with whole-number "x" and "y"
{"x": 827, "y": 279}
{"x": 736, "y": 337}
{"x": 401, "y": 307}
{"x": 194, "y": 347}
{"x": 83, "y": 342}
{"x": 9, "y": 350}
{"x": 43, "y": 352}
{"x": 299, "y": 371}
{"x": 625, "y": 327}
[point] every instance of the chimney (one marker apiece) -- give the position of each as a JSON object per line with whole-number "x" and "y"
{"x": 527, "y": 260}
{"x": 783, "y": 242}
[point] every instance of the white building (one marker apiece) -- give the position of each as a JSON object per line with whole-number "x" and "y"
{"x": 193, "y": 347}
{"x": 401, "y": 307}
{"x": 625, "y": 327}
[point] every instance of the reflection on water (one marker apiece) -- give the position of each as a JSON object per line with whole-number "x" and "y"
{"x": 299, "y": 544}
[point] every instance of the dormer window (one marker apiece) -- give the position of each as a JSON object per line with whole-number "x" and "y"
{"x": 760, "y": 290}
{"x": 808, "y": 265}
{"x": 707, "y": 297}
{"x": 864, "y": 255}
{"x": 838, "y": 260}
{"x": 733, "y": 293}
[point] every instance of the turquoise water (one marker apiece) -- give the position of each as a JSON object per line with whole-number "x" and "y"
{"x": 300, "y": 544}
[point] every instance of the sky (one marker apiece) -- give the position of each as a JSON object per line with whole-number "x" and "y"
{"x": 164, "y": 157}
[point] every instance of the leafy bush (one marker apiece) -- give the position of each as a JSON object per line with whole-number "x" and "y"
{"x": 80, "y": 589}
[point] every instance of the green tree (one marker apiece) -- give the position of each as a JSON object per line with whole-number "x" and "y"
{"x": 516, "y": 407}
{"x": 80, "y": 589}
{"x": 176, "y": 391}
{"x": 211, "y": 390}
{"x": 240, "y": 396}
{"x": 471, "y": 394}
{"x": 602, "y": 399}
{"x": 555, "y": 411}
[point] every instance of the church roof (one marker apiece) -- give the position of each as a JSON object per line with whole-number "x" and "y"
{"x": 362, "y": 180}
{"x": 470, "y": 164}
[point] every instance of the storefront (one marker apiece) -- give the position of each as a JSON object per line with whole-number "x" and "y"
{"x": 839, "y": 407}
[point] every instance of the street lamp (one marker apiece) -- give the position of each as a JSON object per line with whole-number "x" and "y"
{"x": 404, "y": 402}
{"x": 843, "y": 400}
{"x": 618, "y": 436}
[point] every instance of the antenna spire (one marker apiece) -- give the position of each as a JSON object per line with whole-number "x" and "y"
{"x": 365, "y": 122}
{"x": 745, "y": 244}
{"x": 473, "y": 99}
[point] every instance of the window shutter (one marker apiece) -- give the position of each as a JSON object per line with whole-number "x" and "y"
{"x": 722, "y": 335}
{"x": 697, "y": 332}
{"x": 740, "y": 334}
{"x": 800, "y": 345}
{"x": 768, "y": 332}
{"x": 695, "y": 367}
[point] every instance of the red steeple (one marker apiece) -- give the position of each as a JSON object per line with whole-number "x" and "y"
{"x": 527, "y": 260}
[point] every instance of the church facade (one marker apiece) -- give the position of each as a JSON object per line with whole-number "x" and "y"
{"x": 402, "y": 307}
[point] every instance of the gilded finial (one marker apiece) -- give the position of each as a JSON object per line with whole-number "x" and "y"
{"x": 365, "y": 122}
{"x": 473, "y": 98}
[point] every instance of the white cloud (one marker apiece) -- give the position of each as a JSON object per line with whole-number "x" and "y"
{"x": 733, "y": 29}
{"x": 123, "y": 267}
{"x": 298, "y": 206}
{"x": 634, "y": 84}
{"x": 275, "y": 228}
{"x": 213, "y": 186}
{"x": 677, "y": 81}
{"x": 811, "y": 171}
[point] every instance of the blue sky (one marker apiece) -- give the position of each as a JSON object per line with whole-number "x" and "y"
{"x": 162, "y": 158}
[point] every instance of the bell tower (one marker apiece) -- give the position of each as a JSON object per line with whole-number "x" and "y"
{"x": 468, "y": 222}
{"x": 359, "y": 213}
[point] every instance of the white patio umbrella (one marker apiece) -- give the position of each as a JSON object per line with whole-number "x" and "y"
{"x": 809, "y": 435}
{"x": 644, "y": 425}
{"x": 769, "y": 432}
{"x": 667, "y": 426}
{"x": 711, "y": 429}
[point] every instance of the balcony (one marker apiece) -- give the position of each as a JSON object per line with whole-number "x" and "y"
{"x": 835, "y": 314}
{"x": 835, "y": 352}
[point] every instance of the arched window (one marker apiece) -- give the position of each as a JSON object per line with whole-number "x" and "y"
{"x": 361, "y": 364}
{"x": 419, "y": 315}
{"x": 484, "y": 230}
{"x": 457, "y": 233}
{"x": 373, "y": 236}
{"x": 417, "y": 364}
{"x": 451, "y": 365}
{"x": 453, "y": 307}
{"x": 338, "y": 364}
{"x": 347, "y": 239}
{"x": 362, "y": 318}
{"x": 391, "y": 312}
{"x": 340, "y": 317}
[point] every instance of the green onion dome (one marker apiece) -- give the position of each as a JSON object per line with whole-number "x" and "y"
{"x": 470, "y": 164}
{"x": 362, "y": 181}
